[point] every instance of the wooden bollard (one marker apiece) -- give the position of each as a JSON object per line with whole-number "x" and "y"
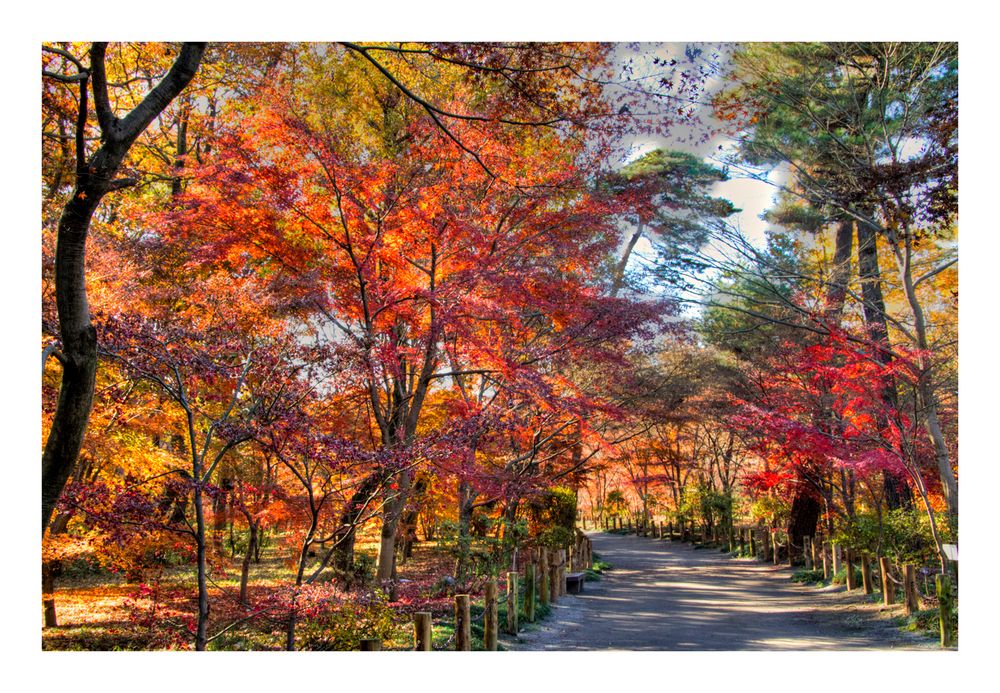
{"x": 463, "y": 623}
{"x": 942, "y": 585}
{"x": 866, "y": 574}
{"x": 807, "y": 552}
{"x": 852, "y": 583}
{"x": 491, "y": 616}
{"x": 888, "y": 589}
{"x": 371, "y": 644}
{"x": 529, "y": 592}
{"x": 422, "y": 629}
{"x": 554, "y": 576}
{"x": 512, "y": 603}
{"x": 543, "y": 577}
{"x": 910, "y": 601}
{"x": 562, "y": 576}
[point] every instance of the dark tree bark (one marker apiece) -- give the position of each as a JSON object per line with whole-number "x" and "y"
{"x": 465, "y": 500}
{"x": 245, "y": 568}
{"x": 95, "y": 178}
{"x": 343, "y": 538}
{"x": 897, "y": 492}
{"x": 805, "y": 510}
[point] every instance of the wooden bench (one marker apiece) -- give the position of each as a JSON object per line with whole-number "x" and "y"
{"x": 574, "y": 583}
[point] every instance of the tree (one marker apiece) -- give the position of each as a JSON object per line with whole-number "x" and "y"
{"x": 845, "y": 117}
{"x": 668, "y": 194}
{"x": 95, "y": 176}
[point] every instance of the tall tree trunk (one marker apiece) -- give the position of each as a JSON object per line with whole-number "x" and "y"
{"x": 942, "y": 457}
{"x": 396, "y": 499}
{"x": 53, "y": 569}
{"x": 95, "y": 177}
{"x": 805, "y": 509}
{"x": 245, "y": 569}
{"x": 465, "y": 500}
{"x": 343, "y": 540}
{"x": 897, "y": 492}
{"x": 619, "y": 277}
{"x": 408, "y": 523}
{"x": 201, "y": 636}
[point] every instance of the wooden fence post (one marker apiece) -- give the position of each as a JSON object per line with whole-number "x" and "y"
{"x": 422, "y": 629}
{"x": 562, "y": 576}
{"x": 807, "y": 552}
{"x": 371, "y": 644}
{"x": 888, "y": 589}
{"x": 512, "y": 603}
{"x": 490, "y": 618}
{"x": 852, "y": 583}
{"x": 554, "y": 576}
{"x": 910, "y": 600}
{"x": 529, "y": 592}
{"x": 942, "y": 584}
{"x": 543, "y": 576}
{"x": 866, "y": 573}
{"x": 463, "y": 623}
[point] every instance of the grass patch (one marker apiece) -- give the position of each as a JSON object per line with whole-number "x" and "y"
{"x": 841, "y": 577}
{"x": 808, "y": 577}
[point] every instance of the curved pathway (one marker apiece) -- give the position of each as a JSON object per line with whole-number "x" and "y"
{"x": 664, "y": 595}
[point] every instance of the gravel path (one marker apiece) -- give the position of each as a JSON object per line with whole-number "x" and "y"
{"x": 668, "y": 596}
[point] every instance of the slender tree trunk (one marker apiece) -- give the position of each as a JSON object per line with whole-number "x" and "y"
{"x": 245, "y": 570}
{"x": 465, "y": 499}
{"x": 942, "y": 457}
{"x": 201, "y": 636}
{"x": 619, "y": 277}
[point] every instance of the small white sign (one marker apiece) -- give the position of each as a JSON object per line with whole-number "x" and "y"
{"x": 951, "y": 551}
